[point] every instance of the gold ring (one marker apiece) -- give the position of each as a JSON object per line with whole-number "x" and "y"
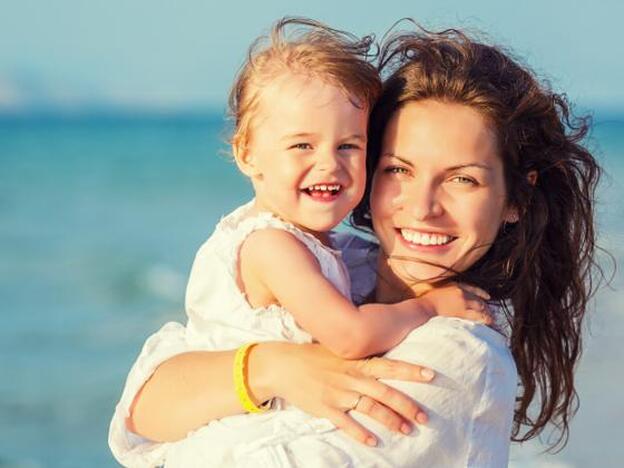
{"x": 357, "y": 402}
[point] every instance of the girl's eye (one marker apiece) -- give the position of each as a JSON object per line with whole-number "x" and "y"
{"x": 464, "y": 180}
{"x": 395, "y": 170}
{"x": 301, "y": 146}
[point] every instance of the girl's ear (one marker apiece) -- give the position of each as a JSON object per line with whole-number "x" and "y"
{"x": 245, "y": 160}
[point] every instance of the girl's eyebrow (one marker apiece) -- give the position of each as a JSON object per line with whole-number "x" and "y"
{"x": 356, "y": 136}
{"x": 448, "y": 169}
{"x": 290, "y": 136}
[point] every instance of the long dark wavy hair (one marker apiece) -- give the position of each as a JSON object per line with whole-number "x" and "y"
{"x": 541, "y": 267}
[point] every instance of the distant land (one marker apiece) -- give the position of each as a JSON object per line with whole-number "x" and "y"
{"x": 24, "y": 95}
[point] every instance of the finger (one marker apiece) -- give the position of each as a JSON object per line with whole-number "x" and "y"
{"x": 476, "y": 304}
{"x": 350, "y": 426}
{"x": 477, "y": 316}
{"x": 383, "y": 368}
{"x": 390, "y": 397}
{"x": 383, "y": 414}
{"x": 476, "y": 291}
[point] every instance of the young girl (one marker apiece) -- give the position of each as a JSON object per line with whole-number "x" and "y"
{"x": 301, "y": 108}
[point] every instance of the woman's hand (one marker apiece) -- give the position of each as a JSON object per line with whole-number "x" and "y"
{"x": 324, "y": 385}
{"x": 459, "y": 300}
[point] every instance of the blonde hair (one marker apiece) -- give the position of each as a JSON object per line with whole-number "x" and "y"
{"x": 307, "y": 47}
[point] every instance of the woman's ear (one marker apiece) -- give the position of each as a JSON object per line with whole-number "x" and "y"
{"x": 245, "y": 160}
{"x": 532, "y": 177}
{"x": 512, "y": 215}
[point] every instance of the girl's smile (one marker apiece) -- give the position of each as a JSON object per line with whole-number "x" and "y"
{"x": 306, "y": 153}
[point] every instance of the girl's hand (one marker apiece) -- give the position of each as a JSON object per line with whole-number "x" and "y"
{"x": 324, "y": 385}
{"x": 459, "y": 300}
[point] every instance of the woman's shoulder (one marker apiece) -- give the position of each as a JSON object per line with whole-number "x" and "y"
{"x": 462, "y": 347}
{"x": 359, "y": 254}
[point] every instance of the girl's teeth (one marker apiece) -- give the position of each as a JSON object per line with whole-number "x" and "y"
{"x": 324, "y": 188}
{"x": 416, "y": 237}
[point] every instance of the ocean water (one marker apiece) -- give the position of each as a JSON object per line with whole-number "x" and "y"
{"x": 99, "y": 221}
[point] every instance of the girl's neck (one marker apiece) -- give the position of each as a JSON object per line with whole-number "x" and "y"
{"x": 391, "y": 288}
{"x": 259, "y": 207}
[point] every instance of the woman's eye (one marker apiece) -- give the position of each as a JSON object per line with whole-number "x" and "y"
{"x": 301, "y": 146}
{"x": 395, "y": 170}
{"x": 464, "y": 180}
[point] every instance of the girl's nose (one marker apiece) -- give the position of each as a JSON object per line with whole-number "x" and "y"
{"x": 327, "y": 161}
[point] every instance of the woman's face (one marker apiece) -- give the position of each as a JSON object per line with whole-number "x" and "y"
{"x": 438, "y": 192}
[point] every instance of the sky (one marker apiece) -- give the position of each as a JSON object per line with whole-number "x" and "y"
{"x": 183, "y": 54}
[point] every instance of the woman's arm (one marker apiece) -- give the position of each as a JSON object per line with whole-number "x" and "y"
{"x": 172, "y": 390}
{"x": 193, "y": 388}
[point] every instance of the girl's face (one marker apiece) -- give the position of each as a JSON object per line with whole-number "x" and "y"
{"x": 307, "y": 152}
{"x": 438, "y": 194}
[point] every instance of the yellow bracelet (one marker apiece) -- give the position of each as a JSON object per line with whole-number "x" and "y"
{"x": 240, "y": 383}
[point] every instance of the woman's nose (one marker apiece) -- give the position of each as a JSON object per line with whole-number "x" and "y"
{"x": 422, "y": 200}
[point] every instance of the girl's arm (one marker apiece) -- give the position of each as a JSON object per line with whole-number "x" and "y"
{"x": 294, "y": 280}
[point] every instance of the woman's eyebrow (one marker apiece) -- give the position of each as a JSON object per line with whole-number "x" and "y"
{"x": 403, "y": 160}
{"x": 464, "y": 166}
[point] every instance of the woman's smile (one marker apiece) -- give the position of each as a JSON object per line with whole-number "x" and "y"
{"x": 425, "y": 240}
{"x": 438, "y": 196}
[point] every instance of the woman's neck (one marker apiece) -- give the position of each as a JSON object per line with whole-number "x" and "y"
{"x": 391, "y": 288}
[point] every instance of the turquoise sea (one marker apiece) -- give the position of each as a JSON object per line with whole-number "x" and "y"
{"x": 100, "y": 218}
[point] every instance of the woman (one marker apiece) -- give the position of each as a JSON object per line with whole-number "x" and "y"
{"x": 478, "y": 176}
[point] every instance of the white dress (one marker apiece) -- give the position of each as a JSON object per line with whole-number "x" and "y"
{"x": 470, "y": 404}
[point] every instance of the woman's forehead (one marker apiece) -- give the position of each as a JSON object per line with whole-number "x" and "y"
{"x": 433, "y": 132}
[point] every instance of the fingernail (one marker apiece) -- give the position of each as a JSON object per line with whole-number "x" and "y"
{"x": 371, "y": 441}
{"x": 406, "y": 428}
{"x": 421, "y": 418}
{"x": 427, "y": 373}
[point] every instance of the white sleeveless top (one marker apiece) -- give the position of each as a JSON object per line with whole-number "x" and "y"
{"x": 219, "y": 316}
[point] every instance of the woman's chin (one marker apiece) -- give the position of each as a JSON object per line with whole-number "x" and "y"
{"x": 419, "y": 274}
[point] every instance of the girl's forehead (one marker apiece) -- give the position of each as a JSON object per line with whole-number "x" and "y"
{"x": 289, "y": 88}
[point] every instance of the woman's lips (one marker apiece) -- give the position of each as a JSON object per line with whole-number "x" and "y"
{"x": 425, "y": 241}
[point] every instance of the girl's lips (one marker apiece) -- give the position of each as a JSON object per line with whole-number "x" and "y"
{"x": 322, "y": 196}
{"x": 323, "y": 192}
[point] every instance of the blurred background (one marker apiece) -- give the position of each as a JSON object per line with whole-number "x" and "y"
{"x": 112, "y": 173}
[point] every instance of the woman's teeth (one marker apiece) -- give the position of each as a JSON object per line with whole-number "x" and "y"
{"x": 415, "y": 237}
